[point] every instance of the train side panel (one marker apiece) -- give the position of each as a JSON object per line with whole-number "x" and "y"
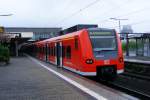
{"x": 72, "y": 54}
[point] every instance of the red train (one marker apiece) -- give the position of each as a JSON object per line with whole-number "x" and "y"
{"x": 88, "y": 52}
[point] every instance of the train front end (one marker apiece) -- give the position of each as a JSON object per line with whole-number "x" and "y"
{"x": 107, "y": 52}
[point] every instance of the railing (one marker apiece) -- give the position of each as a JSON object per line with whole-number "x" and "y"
{"x": 136, "y": 42}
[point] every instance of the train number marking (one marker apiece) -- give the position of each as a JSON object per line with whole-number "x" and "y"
{"x": 106, "y": 62}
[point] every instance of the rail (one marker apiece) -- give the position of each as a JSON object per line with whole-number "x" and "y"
{"x": 143, "y": 77}
{"x": 130, "y": 91}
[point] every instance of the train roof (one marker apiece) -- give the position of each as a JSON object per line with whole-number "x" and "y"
{"x": 62, "y": 36}
{"x": 73, "y": 34}
{"x": 98, "y": 29}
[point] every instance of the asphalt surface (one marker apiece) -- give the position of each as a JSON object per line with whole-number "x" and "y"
{"x": 22, "y": 79}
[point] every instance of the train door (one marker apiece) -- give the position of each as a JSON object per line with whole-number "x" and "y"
{"x": 59, "y": 53}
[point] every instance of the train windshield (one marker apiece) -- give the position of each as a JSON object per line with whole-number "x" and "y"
{"x": 103, "y": 40}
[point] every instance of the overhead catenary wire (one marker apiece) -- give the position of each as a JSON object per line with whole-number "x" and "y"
{"x": 77, "y": 12}
{"x": 129, "y": 13}
{"x": 110, "y": 11}
{"x": 123, "y": 15}
{"x": 94, "y": 2}
{"x": 135, "y": 23}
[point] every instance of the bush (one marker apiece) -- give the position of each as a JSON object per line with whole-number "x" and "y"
{"x": 4, "y": 54}
{"x": 131, "y": 45}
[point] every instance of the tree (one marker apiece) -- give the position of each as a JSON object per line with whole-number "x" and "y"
{"x": 127, "y": 29}
{"x": 4, "y": 37}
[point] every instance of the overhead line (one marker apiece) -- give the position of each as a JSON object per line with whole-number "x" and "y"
{"x": 133, "y": 12}
{"x": 130, "y": 13}
{"x": 135, "y": 23}
{"x": 80, "y": 10}
{"x": 108, "y": 11}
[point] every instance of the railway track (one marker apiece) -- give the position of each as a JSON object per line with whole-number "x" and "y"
{"x": 143, "y": 77}
{"x": 125, "y": 88}
{"x": 129, "y": 91}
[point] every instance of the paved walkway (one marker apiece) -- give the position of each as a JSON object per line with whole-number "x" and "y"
{"x": 144, "y": 58}
{"x": 22, "y": 79}
{"x": 138, "y": 59}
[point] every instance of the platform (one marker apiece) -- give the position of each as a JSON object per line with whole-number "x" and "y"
{"x": 137, "y": 59}
{"x": 25, "y": 78}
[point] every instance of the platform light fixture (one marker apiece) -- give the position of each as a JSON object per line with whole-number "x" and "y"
{"x": 6, "y": 15}
{"x": 118, "y": 19}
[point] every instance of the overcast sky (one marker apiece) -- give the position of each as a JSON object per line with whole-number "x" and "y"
{"x": 66, "y": 13}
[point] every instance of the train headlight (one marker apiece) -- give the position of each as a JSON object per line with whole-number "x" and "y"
{"x": 89, "y": 61}
{"x": 120, "y": 59}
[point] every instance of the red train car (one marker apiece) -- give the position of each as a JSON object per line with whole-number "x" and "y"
{"x": 88, "y": 52}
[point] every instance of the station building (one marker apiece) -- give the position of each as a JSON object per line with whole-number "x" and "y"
{"x": 33, "y": 33}
{"x": 20, "y": 35}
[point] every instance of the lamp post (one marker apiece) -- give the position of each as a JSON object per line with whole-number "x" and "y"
{"x": 6, "y": 15}
{"x": 119, "y": 20}
{"x": 127, "y": 40}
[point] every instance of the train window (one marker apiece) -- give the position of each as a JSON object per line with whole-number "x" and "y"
{"x": 49, "y": 50}
{"x": 68, "y": 52}
{"x": 40, "y": 50}
{"x": 43, "y": 49}
{"x": 54, "y": 51}
{"x": 63, "y": 51}
{"x": 37, "y": 50}
{"x": 76, "y": 43}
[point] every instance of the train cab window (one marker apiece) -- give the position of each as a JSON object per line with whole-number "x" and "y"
{"x": 76, "y": 43}
{"x": 68, "y": 52}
